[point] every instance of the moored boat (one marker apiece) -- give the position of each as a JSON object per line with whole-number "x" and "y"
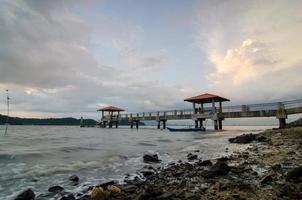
{"x": 186, "y": 129}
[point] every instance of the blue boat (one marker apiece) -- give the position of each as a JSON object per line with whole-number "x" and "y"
{"x": 186, "y": 129}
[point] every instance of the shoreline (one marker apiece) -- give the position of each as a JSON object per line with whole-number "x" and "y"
{"x": 259, "y": 172}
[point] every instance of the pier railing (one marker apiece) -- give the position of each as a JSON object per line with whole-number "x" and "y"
{"x": 265, "y": 107}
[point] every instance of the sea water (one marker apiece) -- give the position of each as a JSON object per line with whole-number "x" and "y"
{"x": 38, "y": 157}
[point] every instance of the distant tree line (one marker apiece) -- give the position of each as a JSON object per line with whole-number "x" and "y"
{"x": 49, "y": 121}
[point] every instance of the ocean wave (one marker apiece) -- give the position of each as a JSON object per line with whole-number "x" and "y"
{"x": 77, "y": 148}
{"x": 12, "y": 156}
{"x": 146, "y": 144}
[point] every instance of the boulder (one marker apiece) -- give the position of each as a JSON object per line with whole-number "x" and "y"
{"x": 151, "y": 158}
{"x": 294, "y": 175}
{"x": 219, "y": 169}
{"x": 74, "y": 178}
{"x": 68, "y": 197}
{"x": 55, "y": 189}
{"x": 243, "y": 139}
{"x": 106, "y": 184}
{"x": 26, "y": 195}
{"x": 191, "y": 156}
{"x": 205, "y": 163}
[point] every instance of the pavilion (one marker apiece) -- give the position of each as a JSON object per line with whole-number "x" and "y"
{"x": 110, "y": 110}
{"x": 198, "y": 111}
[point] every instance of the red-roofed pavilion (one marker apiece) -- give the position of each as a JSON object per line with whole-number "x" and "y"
{"x": 111, "y": 110}
{"x": 204, "y": 99}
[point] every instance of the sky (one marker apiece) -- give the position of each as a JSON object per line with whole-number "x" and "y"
{"x": 63, "y": 58}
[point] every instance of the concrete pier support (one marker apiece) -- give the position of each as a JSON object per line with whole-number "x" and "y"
{"x": 110, "y": 124}
{"x": 216, "y": 124}
{"x": 200, "y": 123}
{"x": 282, "y": 123}
{"x": 131, "y": 124}
{"x": 220, "y": 124}
{"x": 158, "y": 124}
{"x": 196, "y": 123}
{"x": 137, "y": 123}
{"x": 116, "y": 124}
{"x": 164, "y": 124}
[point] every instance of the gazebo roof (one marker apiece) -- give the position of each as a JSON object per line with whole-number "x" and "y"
{"x": 111, "y": 109}
{"x": 206, "y": 98}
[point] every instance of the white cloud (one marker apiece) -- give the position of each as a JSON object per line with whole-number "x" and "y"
{"x": 254, "y": 52}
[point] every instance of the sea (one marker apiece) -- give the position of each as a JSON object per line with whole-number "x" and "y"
{"x": 38, "y": 157}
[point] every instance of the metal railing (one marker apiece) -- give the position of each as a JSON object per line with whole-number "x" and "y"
{"x": 225, "y": 109}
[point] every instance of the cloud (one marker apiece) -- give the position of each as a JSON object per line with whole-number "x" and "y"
{"x": 253, "y": 53}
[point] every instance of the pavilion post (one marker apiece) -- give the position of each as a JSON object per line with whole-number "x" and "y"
{"x": 158, "y": 124}
{"x": 131, "y": 124}
{"x": 200, "y": 123}
{"x": 196, "y": 123}
{"x": 137, "y": 123}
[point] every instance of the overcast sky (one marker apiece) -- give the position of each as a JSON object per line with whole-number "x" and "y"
{"x": 68, "y": 58}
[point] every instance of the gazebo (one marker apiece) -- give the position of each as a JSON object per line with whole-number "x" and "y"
{"x": 204, "y": 99}
{"x": 110, "y": 111}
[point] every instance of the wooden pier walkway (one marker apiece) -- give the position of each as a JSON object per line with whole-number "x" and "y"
{"x": 280, "y": 110}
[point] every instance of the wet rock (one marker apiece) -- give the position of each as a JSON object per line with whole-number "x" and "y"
{"x": 147, "y": 173}
{"x": 74, "y": 178}
{"x": 205, "y": 163}
{"x": 294, "y": 175}
{"x": 219, "y": 169}
{"x": 261, "y": 138}
{"x": 191, "y": 156}
{"x": 113, "y": 190}
{"x": 151, "y": 158}
{"x": 166, "y": 195}
{"x": 106, "y": 184}
{"x": 55, "y": 189}
{"x": 68, "y": 197}
{"x": 243, "y": 139}
{"x": 98, "y": 193}
{"x": 26, "y": 195}
{"x": 267, "y": 179}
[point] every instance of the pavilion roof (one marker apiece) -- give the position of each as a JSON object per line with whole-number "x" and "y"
{"x": 111, "y": 109}
{"x": 206, "y": 98}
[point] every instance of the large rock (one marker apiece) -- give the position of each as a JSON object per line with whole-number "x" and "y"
{"x": 151, "y": 158}
{"x": 74, "y": 178}
{"x": 26, "y": 195}
{"x": 219, "y": 169}
{"x": 294, "y": 175}
{"x": 243, "y": 139}
{"x": 191, "y": 156}
{"x": 55, "y": 189}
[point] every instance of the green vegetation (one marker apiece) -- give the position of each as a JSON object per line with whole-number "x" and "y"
{"x": 50, "y": 121}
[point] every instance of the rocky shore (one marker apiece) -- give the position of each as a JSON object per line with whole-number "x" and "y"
{"x": 270, "y": 168}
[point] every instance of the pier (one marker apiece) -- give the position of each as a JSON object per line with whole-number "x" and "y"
{"x": 200, "y": 112}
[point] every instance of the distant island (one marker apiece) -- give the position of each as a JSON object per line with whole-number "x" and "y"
{"x": 68, "y": 121}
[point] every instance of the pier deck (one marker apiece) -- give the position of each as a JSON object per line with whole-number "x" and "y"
{"x": 280, "y": 110}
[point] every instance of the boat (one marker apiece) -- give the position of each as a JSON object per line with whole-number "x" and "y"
{"x": 186, "y": 129}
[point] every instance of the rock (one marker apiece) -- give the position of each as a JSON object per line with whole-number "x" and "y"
{"x": 166, "y": 195}
{"x": 219, "y": 169}
{"x": 266, "y": 179}
{"x": 191, "y": 156}
{"x": 55, "y": 189}
{"x": 243, "y": 139}
{"x": 69, "y": 197}
{"x": 74, "y": 178}
{"x": 26, "y": 195}
{"x": 114, "y": 190}
{"x": 294, "y": 175}
{"x": 147, "y": 173}
{"x": 106, "y": 184}
{"x": 261, "y": 138}
{"x": 98, "y": 193}
{"x": 151, "y": 158}
{"x": 205, "y": 163}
